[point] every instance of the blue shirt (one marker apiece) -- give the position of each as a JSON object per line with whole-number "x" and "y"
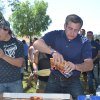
{"x": 95, "y": 49}
{"x": 25, "y": 49}
{"x": 75, "y": 50}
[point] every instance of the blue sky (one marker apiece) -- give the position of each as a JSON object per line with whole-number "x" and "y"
{"x": 88, "y": 10}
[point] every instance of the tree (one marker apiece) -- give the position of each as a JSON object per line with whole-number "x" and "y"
{"x": 13, "y": 4}
{"x": 1, "y": 6}
{"x": 30, "y": 19}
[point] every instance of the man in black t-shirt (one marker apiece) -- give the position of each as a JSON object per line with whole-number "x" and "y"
{"x": 11, "y": 60}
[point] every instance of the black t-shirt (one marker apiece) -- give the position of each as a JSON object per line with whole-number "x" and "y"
{"x": 43, "y": 63}
{"x": 8, "y": 72}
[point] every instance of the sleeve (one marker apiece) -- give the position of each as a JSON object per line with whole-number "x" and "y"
{"x": 49, "y": 38}
{"x": 20, "y": 50}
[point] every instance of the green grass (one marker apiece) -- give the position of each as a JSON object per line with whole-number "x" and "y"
{"x": 29, "y": 90}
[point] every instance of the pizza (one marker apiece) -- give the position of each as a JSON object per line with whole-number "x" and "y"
{"x": 58, "y": 66}
{"x": 36, "y": 98}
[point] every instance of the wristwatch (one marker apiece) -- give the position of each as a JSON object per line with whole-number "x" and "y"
{"x": 53, "y": 51}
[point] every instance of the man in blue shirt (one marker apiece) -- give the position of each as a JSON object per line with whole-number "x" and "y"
{"x": 94, "y": 74}
{"x": 67, "y": 45}
{"x": 25, "y": 54}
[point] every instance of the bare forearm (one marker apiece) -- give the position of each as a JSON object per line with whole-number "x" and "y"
{"x": 14, "y": 61}
{"x": 41, "y": 46}
{"x": 86, "y": 66}
{"x": 35, "y": 67}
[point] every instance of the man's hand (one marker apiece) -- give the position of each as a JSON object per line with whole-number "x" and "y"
{"x": 63, "y": 67}
{"x": 57, "y": 58}
{"x": 69, "y": 66}
{"x": 35, "y": 76}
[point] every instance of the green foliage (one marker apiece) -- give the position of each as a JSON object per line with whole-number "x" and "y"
{"x": 1, "y": 6}
{"x": 30, "y": 19}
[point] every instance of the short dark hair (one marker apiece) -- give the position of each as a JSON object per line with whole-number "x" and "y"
{"x": 5, "y": 24}
{"x": 74, "y": 18}
{"x": 35, "y": 38}
{"x": 23, "y": 41}
{"x": 83, "y": 30}
{"x": 97, "y": 40}
{"x": 90, "y": 32}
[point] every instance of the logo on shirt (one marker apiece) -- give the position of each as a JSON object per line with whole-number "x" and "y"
{"x": 84, "y": 39}
{"x": 10, "y": 50}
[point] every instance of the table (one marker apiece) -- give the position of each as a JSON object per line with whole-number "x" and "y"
{"x": 45, "y": 96}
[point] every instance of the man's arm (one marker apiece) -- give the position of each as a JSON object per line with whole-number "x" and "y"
{"x": 30, "y": 54}
{"x": 42, "y": 46}
{"x": 14, "y": 61}
{"x": 86, "y": 66}
{"x": 35, "y": 63}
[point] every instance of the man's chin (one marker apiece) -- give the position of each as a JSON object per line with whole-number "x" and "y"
{"x": 71, "y": 38}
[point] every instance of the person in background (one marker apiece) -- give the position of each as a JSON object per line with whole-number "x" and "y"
{"x": 82, "y": 32}
{"x": 31, "y": 52}
{"x": 11, "y": 60}
{"x": 84, "y": 74}
{"x": 97, "y": 40}
{"x": 94, "y": 74}
{"x": 25, "y": 54}
{"x": 41, "y": 61}
{"x": 72, "y": 52}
